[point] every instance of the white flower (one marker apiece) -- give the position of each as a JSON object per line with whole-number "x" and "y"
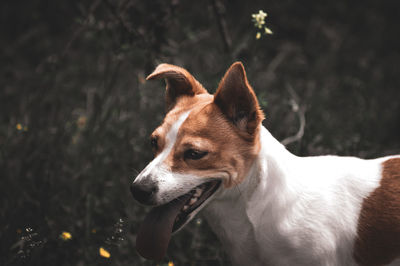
{"x": 259, "y": 22}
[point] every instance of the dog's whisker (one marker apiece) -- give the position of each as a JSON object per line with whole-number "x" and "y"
{"x": 136, "y": 172}
{"x": 237, "y": 187}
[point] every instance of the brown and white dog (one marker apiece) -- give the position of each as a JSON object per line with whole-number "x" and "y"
{"x": 266, "y": 205}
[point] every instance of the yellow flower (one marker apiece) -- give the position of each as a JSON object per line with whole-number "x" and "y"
{"x": 170, "y": 263}
{"x": 82, "y": 121}
{"x": 259, "y": 22}
{"x": 66, "y": 236}
{"x": 259, "y": 19}
{"x": 104, "y": 253}
{"x": 268, "y": 30}
{"x": 262, "y": 14}
{"x": 19, "y": 126}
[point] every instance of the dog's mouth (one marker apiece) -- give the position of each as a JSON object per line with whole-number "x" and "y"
{"x": 198, "y": 196}
{"x": 154, "y": 235}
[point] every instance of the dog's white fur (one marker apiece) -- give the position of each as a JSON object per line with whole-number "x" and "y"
{"x": 289, "y": 210}
{"x": 292, "y": 210}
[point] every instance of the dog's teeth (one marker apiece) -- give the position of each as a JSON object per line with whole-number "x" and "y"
{"x": 185, "y": 208}
{"x": 198, "y": 192}
{"x": 192, "y": 201}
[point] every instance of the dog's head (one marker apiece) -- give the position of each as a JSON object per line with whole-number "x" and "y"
{"x": 205, "y": 144}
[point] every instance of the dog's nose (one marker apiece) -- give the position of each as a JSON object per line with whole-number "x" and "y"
{"x": 144, "y": 192}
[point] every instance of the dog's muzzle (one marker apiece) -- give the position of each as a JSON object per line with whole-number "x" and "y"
{"x": 144, "y": 192}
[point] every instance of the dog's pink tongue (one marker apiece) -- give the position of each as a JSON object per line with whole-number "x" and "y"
{"x": 154, "y": 234}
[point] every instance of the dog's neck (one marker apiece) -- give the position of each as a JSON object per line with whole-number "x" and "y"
{"x": 235, "y": 212}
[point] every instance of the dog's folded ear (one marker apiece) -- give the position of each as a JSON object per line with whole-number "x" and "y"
{"x": 237, "y": 100}
{"x": 179, "y": 82}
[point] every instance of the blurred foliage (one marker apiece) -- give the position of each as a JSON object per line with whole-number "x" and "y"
{"x": 76, "y": 112}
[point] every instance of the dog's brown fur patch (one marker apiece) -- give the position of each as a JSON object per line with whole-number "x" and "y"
{"x": 183, "y": 104}
{"x": 378, "y": 241}
{"x": 237, "y": 100}
{"x": 226, "y": 125}
{"x": 179, "y": 83}
{"x": 229, "y": 155}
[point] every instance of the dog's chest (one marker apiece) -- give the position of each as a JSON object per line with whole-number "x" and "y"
{"x": 255, "y": 239}
{"x": 235, "y": 232}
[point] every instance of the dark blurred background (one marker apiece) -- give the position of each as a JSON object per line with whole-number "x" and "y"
{"x": 76, "y": 111}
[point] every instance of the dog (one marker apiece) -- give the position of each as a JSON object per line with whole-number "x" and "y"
{"x": 266, "y": 205}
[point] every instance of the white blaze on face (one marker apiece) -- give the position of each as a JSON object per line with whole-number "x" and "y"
{"x": 170, "y": 185}
{"x": 170, "y": 140}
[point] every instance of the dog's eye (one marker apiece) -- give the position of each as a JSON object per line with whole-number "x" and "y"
{"x": 192, "y": 154}
{"x": 154, "y": 143}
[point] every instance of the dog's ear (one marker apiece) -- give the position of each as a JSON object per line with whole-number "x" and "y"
{"x": 179, "y": 82}
{"x": 237, "y": 100}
